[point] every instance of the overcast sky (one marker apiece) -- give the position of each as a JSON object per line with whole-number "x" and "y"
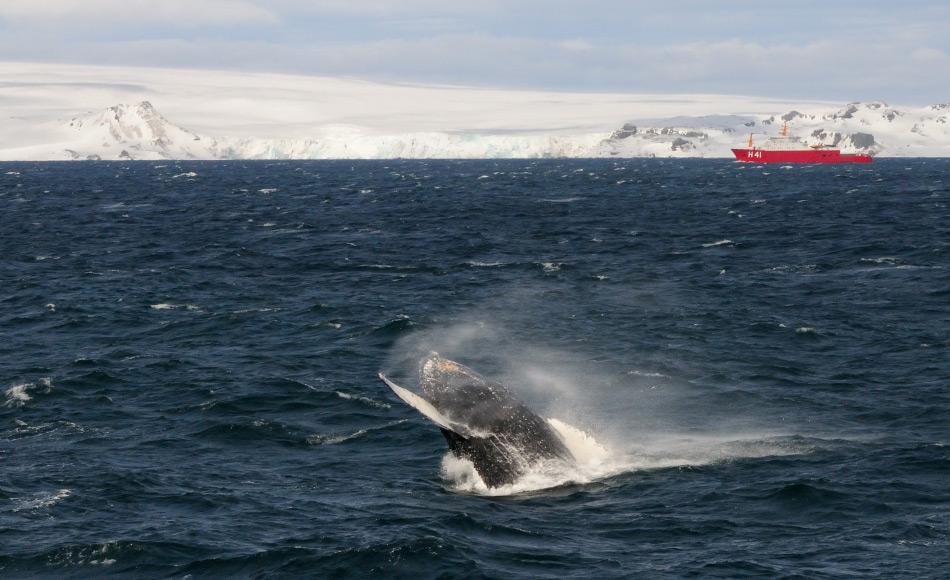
{"x": 840, "y": 50}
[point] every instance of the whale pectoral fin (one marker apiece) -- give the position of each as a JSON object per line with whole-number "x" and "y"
{"x": 426, "y": 408}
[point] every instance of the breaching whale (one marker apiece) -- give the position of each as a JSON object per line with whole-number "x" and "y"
{"x": 482, "y": 421}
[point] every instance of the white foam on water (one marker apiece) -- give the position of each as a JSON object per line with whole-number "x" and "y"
{"x": 24, "y": 429}
{"x": 40, "y": 500}
{"x": 248, "y": 310}
{"x": 104, "y": 562}
{"x": 562, "y": 199}
{"x": 167, "y": 306}
{"x": 640, "y": 373}
{"x": 551, "y": 266}
{"x": 364, "y": 400}
{"x": 477, "y": 264}
{"x": 19, "y": 395}
{"x": 881, "y": 260}
{"x": 336, "y": 438}
{"x": 717, "y": 243}
{"x": 330, "y": 439}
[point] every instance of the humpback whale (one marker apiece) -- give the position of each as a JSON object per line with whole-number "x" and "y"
{"x": 482, "y": 421}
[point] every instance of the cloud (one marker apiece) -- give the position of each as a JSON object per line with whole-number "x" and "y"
{"x": 576, "y": 45}
{"x": 828, "y": 69}
{"x": 731, "y": 46}
{"x": 401, "y": 8}
{"x": 177, "y": 13}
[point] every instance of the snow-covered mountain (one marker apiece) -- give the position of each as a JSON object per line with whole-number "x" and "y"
{"x": 873, "y": 127}
{"x": 133, "y": 132}
{"x": 139, "y": 131}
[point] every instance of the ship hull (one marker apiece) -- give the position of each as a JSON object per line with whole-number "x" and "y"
{"x": 798, "y": 156}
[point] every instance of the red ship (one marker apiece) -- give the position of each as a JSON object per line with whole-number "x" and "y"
{"x": 788, "y": 149}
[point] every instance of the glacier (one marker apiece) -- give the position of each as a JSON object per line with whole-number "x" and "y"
{"x": 246, "y": 116}
{"x": 139, "y": 131}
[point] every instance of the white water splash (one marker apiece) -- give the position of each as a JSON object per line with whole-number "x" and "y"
{"x": 627, "y": 438}
{"x": 167, "y": 306}
{"x": 595, "y": 461}
{"x": 19, "y": 395}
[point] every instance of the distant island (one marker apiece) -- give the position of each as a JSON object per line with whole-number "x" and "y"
{"x": 46, "y": 116}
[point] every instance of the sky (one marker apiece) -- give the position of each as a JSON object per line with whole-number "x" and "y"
{"x": 843, "y": 50}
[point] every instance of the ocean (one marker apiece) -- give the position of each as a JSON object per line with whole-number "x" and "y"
{"x": 754, "y": 360}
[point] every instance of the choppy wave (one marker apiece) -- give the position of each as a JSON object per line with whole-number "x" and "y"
{"x": 336, "y": 438}
{"x": 212, "y": 406}
{"x": 477, "y": 264}
{"x": 562, "y": 199}
{"x": 21, "y": 394}
{"x": 364, "y": 400}
{"x": 40, "y": 500}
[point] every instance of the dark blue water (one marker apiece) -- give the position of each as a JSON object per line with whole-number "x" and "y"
{"x": 187, "y": 367}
